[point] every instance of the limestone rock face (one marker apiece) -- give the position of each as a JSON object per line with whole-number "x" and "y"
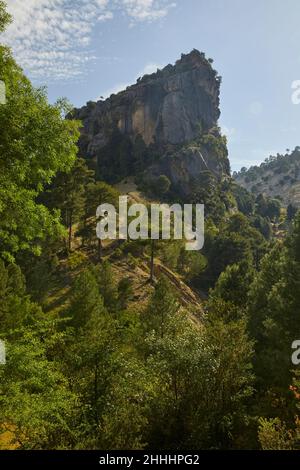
{"x": 165, "y": 124}
{"x": 186, "y": 165}
{"x": 164, "y": 108}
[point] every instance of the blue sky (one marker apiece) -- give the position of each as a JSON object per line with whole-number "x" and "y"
{"x": 83, "y": 49}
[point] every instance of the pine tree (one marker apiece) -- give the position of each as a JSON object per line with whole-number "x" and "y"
{"x": 107, "y": 286}
{"x": 125, "y": 292}
{"x": 96, "y": 193}
{"x": 274, "y": 301}
{"x": 85, "y": 298}
{"x": 162, "y": 305}
{"x": 68, "y": 194}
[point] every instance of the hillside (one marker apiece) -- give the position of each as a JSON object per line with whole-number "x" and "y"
{"x": 132, "y": 341}
{"x": 277, "y": 177}
{"x": 124, "y": 265}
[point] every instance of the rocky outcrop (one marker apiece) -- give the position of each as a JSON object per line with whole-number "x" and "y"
{"x": 165, "y": 107}
{"x": 166, "y": 110}
{"x": 185, "y": 166}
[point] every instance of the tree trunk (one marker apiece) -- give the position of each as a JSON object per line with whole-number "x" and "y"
{"x": 99, "y": 249}
{"x": 96, "y": 389}
{"x": 70, "y": 231}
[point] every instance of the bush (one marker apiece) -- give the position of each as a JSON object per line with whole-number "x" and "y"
{"x": 76, "y": 259}
{"x": 273, "y": 435}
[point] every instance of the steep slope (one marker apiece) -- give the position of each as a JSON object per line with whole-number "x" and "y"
{"x": 59, "y": 298}
{"x": 276, "y": 177}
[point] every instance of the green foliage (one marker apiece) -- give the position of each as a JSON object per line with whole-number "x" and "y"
{"x": 125, "y": 292}
{"x": 170, "y": 253}
{"x": 85, "y": 300}
{"x": 161, "y": 306}
{"x": 5, "y": 17}
{"x": 273, "y": 310}
{"x": 263, "y": 225}
{"x": 204, "y": 382}
{"x": 273, "y": 435}
{"x": 277, "y": 164}
{"x": 98, "y": 193}
{"x": 245, "y": 200}
{"x": 208, "y": 191}
{"x": 76, "y": 260}
{"x": 191, "y": 264}
{"x": 268, "y": 207}
{"x": 236, "y": 241}
{"x": 101, "y": 372}
{"x": 234, "y": 283}
{"x": 16, "y": 307}
{"x": 282, "y": 171}
{"x": 106, "y": 284}
{"x": 67, "y": 193}
{"x": 215, "y": 143}
{"x": 130, "y": 396}
{"x": 95, "y": 194}
{"x": 36, "y": 143}
{"x": 36, "y": 404}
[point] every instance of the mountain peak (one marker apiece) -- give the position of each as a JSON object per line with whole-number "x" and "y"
{"x": 167, "y": 109}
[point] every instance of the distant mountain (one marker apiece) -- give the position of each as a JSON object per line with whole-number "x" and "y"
{"x": 277, "y": 177}
{"x": 165, "y": 124}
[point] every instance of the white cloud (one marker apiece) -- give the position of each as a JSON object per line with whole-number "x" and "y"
{"x": 229, "y": 132}
{"x": 51, "y": 38}
{"x": 149, "y": 68}
{"x": 150, "y": 10}
{"x": 108, "y": 15}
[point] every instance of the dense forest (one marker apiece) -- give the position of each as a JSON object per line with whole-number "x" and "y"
{"x": 136, "y": 345}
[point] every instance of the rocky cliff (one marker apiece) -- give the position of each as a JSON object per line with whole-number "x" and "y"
{"x": 162, "y": 112}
